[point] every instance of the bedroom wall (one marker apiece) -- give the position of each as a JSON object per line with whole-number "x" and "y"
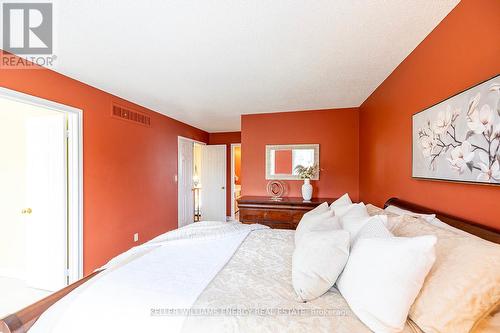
{"x": 226, "y": 138}
{"x": 129, "y": 169}
{"x": 461, "y": 51}
{"x": 336, "y": 131}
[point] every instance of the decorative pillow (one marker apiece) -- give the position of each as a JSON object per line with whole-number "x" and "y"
{"x": 318, "y": 260}
{"x": 400, "y": 211}
{"x": 463, "y": 287}
{"x": 371, "y": 227}
{"x": 323, "y": 208}
{"x": 383, "y": 276}
{"x": 353, "y": 218}
{"x": 358, "y": 209}
{"x": 374, "y": 210}
{"x": 490, "y": 324}
{"x": 316, "y": 220}
{"x": 430, "y": 218}
{"x": 344, "y": 200}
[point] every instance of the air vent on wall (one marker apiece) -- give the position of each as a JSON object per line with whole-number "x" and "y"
{"x": 130, "y": 115}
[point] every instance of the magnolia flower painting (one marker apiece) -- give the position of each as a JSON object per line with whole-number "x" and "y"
{"x": 459, "y": 138}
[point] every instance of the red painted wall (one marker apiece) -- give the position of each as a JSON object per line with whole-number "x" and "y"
{"x": 226, "y": 138}
{"x": 128, "y": 169}
{"x": 335, "y": 130}
{"x": 463, "y": 50}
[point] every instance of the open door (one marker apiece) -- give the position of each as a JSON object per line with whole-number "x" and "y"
{"x": 213, "y": 183}
{"x": 185, "y": 183}
{"x": 46, "y": 206}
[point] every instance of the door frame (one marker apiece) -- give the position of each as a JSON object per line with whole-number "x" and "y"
{"x": 179, "y": 192}
{"x": 232, "y": 178}
{"x": 75, "y": 174}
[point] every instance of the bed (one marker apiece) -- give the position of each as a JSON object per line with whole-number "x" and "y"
{"x": 239, "y": 281}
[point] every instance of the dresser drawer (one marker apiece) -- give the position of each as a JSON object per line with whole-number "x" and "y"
{"x": 274, "y": 218}
{"x": 282, "y": 214}
{"x": 275, "y": 225}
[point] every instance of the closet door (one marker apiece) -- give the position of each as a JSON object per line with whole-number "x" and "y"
{"x": 213, "y": 183}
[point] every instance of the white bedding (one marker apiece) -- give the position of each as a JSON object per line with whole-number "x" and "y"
{"x": 169, "y": 272}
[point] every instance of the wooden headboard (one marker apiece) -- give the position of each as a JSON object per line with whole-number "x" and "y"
{"x": 488, "y": 233}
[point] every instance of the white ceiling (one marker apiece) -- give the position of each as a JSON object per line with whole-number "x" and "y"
{"x": 206, "y": 62}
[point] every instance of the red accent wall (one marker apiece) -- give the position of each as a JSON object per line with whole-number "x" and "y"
{"x": 461, "y": 51}
{"x": 335, "y": 130}
{"x": 226, "y": 138}
{"x": 128, "y": 171}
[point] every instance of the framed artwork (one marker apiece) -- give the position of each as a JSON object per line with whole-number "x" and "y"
{"x": 458, "y": 139}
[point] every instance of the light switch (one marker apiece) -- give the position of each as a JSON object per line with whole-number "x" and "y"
{"x": 136, "y": 237}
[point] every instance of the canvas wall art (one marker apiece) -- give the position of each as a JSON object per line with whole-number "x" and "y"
{"x": 459, "y": 139}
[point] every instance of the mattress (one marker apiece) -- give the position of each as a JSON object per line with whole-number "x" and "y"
{"x": 254, "y": 293}
{"x": 202, "y": 279}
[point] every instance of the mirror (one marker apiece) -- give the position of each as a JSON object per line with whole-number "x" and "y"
{"x": 281, "y": 160}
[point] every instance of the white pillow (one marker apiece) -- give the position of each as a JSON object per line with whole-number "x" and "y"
{"x": 383, "y": 276}
{"x": 353, "y": 209}
{"x": 352, "y": 215}
{"x": 318, "y": 260}
{"x": 323, "y": 208}
{"x": 366, "y": 227}
{"x": 310, "y": 222}
{"x": 342, "y": 201}
{"x": 319, "y": 218}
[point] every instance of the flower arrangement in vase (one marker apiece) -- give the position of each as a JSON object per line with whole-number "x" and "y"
{"x": 306, "y": 173}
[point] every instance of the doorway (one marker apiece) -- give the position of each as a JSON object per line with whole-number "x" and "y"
{"x": 235, "y": 179}
{"x": 40, "y": 198}
{"x": 201, "y": 182}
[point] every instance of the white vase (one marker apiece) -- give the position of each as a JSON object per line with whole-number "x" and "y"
{"x": 307, "y": 190}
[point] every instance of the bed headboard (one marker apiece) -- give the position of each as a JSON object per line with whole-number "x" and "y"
{"x": 488, "y": 233}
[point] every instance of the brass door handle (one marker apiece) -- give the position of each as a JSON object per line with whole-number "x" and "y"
{"x": 26, "y": 211}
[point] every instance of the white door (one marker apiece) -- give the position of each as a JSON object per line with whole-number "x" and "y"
{"x": 185, "y": 183}
{"x": 46, "y": 222}
{"x": 213, "y": 183}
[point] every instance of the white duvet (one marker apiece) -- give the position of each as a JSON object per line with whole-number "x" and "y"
{"x": 147, "y": 288}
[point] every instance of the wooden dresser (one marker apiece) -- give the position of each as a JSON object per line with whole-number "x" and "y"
{"x": 284, "y": 214}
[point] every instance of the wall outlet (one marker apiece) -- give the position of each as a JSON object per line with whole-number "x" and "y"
{"x": 136, "y": 237}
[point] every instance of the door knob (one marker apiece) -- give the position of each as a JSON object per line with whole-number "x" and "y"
{"x": 223, "y": 188}
{"x": 26, "y": 211}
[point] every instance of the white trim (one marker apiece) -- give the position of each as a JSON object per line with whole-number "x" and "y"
{"x": 233, "y": 145}
{"x": 75, "y": 160}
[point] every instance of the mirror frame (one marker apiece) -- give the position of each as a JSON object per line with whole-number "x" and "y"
{"x": 281, "y": 176}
